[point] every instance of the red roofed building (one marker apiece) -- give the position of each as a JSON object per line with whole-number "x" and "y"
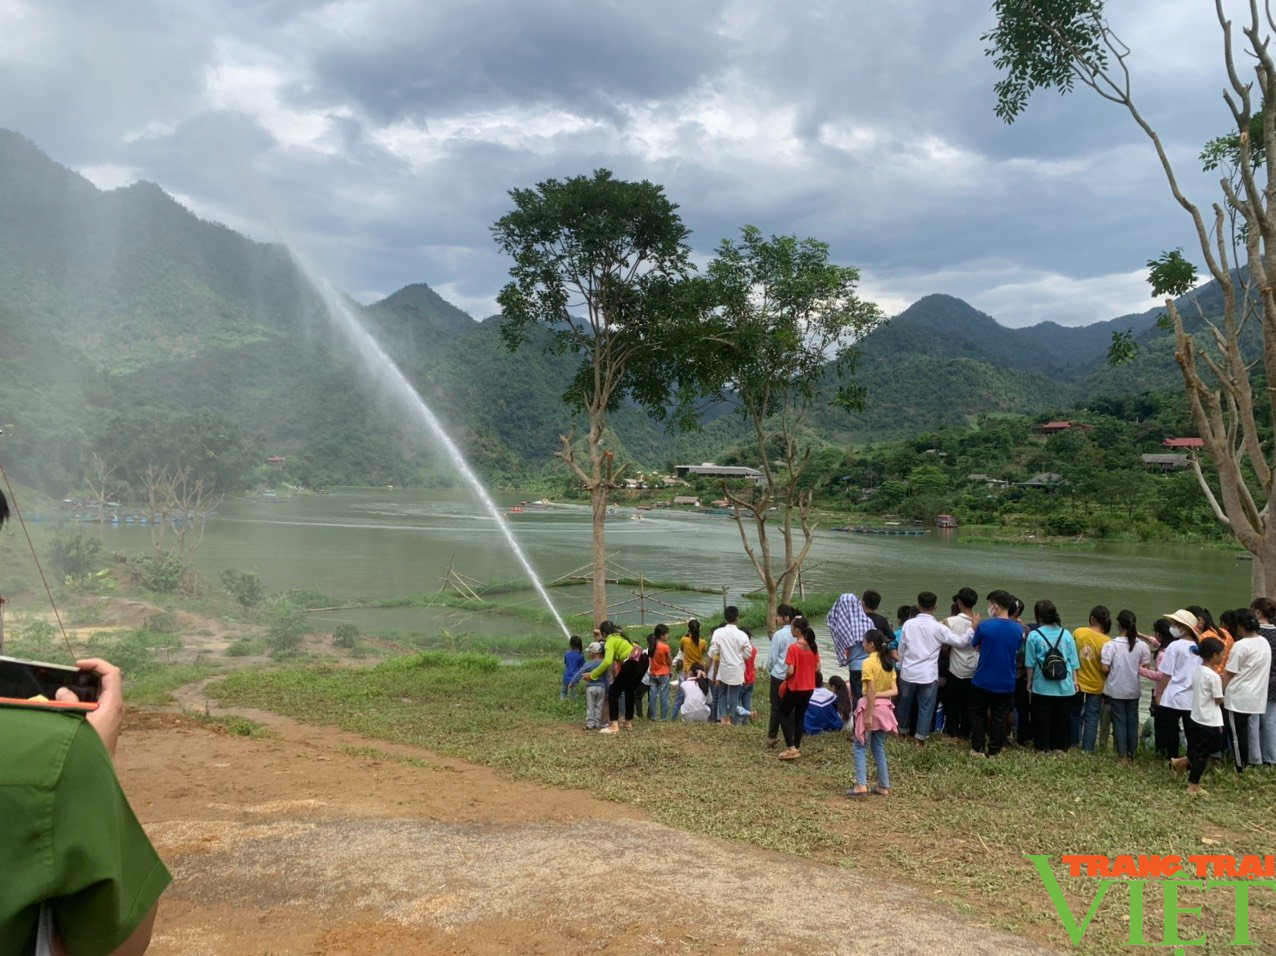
{"x": 1183, "y": 443}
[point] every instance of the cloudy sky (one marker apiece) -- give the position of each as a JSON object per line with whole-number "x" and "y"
{"x": 384, "y": 134}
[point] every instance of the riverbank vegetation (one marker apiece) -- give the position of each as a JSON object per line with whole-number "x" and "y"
{"x": 955, "y": 828}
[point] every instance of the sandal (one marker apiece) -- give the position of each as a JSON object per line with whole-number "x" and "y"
{"x": 879, "y": 792}
{"x": 791, "y": 754}
{"x": 857, "y": 794}
{"x": 610, "y": 730}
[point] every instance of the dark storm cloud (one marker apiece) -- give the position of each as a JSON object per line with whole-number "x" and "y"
{"x": 384, "y": 135}
{"x": 417, "y": 61}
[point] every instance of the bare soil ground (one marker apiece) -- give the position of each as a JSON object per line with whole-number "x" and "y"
{"x": 318, "y": 841}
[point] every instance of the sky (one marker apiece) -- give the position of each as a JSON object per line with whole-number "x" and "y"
{"x": 384, "y": 135}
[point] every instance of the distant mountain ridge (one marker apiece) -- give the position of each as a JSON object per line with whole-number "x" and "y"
{"x": 160, "y": 308}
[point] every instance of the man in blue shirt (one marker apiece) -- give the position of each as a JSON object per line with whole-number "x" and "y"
{"x": 993, "y": 687}
{"x": 781, "y": 640}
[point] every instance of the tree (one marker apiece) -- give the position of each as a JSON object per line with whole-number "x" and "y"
{"x": 1044, "y": 44}
{"x": 599, "y": 269}
{"x": 244, "y": 586}
{"x": 786, "y": 325}
{"x": 102, "y": 484}
{"x": 178, "y": 506}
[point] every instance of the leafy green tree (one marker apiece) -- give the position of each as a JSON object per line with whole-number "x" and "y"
{"x": 244, "y": 586}
{"x": 1059, "y": 44}
{"x": 286, "y": 626}
{"x": 783, "y": 338}
{"x": 345, "y": 635}
{"x": 77, "y": 555}
{"x": 599, "y": 270}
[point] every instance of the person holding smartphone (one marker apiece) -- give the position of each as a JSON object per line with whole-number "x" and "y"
{"x": 81, "y": 877}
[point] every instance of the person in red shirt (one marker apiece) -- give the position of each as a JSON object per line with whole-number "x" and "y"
{"x": 801, "y": 662}
{"x": 658, "y": 652}
{"x": 750, "y": 678}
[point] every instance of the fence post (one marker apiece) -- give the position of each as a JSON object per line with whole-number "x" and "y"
{"x": 724, "y": 600}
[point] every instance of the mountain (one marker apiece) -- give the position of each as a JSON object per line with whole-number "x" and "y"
{"x": 121, "y": 307}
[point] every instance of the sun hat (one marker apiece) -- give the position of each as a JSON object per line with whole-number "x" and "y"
{"x": 1184, "y": 617}
{"x": 595, "y": 647}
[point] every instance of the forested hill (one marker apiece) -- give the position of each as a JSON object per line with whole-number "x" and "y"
{"x": 123, "y": 317}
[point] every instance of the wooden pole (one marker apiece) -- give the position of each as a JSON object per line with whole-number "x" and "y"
{"x": 642, "y": 600}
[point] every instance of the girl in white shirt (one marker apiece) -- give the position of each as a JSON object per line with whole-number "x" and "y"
{"x": 1121, "y": 660}
{"x": 1205, "y": 728}
{"x": 1245, "y": 683}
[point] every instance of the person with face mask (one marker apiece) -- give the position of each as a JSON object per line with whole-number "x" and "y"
{"x": 1175, "y": 683}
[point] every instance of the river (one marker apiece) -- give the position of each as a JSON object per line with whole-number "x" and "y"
{"x": 392, "y": 542}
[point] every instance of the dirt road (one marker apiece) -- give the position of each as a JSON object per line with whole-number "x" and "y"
{"x": 317, "y": 841}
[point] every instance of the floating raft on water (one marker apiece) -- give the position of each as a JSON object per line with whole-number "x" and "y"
{"x": 864, "y": 529}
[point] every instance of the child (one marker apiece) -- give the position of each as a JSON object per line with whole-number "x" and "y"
{"x": 658, "y": 671}
{"x": 573, "y": 661}
{"x": 1205, "y": 729}
{"x": 745, "y": 709}
{"x": 595, "y": 690}
{"x": 697, "y": 698}
{"x": 821, "y": 713}
{"x": 875, "y": 715}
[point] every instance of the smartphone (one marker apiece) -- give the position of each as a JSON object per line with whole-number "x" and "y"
{"x": 22, "y": 680}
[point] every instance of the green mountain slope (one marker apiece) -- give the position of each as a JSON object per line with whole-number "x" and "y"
{"x": 123, "y": 303}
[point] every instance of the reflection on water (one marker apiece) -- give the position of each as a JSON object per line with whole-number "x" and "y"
{"x": 382, "y": 543}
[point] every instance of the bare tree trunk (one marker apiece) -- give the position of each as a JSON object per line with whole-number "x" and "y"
{"x": 598, "y": 498}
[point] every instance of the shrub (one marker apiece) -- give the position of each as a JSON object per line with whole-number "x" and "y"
{"x": 286, "y": 626}
{"x": 345, "y": 635}
{"x": 76, "y": 556}
{"x": 244, "y": 586}
{"x": 163, "y": 574}
{"x": 244, "y": 647}
{"x": 162, "y": 622}
{"x": 38, "y": 636}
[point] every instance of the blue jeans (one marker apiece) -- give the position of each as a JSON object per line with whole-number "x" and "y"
{"x": 924, "y": 696}
{"x": 728, "y": 699}
{"x": 659, "y": 689}
{"x": 876, "y": 740}
{"x": 1125, "y": 726}
{"x": 1076, "y": 708}
{"x": 679, "y": 699}
{"x": 746, "y": 701}
{"x": 1091, "y": 707}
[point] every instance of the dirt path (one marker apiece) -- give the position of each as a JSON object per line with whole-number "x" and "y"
{"x": 318, "y": 841}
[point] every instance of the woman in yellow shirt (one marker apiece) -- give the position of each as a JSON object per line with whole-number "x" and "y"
{"x": 1094, "y": 713}
{"x": 691, "y": 648}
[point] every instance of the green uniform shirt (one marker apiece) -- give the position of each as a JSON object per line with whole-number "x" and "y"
{"x": 68, "y": 837}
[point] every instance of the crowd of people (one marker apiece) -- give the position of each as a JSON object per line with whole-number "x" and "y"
{"x": 993, "y": 675}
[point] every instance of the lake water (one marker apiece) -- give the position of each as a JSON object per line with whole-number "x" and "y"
{"x": 388, "y": 543}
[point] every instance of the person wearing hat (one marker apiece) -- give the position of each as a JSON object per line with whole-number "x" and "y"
{"x": 1174, "y": 687}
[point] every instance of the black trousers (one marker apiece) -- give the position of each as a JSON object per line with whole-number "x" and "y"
{"x": 793, "y": 715}
{"x": 1238, "y": 733}
{"x": 1167, "y": 722}
{"x": 1202, "y": 742}
{"x": 1023, "y": 710}
{"x": 627, "y": 682}
{"x": 773, "y": 722}
{"x": 1050, "y": 725}
{"x": 956, "y": 698}
{"x": 855, "y": 682}
{"x": 983, "y": 703}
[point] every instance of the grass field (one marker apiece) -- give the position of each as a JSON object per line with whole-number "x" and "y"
{"x": 955, "y": 827}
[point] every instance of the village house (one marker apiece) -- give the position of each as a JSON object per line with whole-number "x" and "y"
{"x": 722, "y": 472}
{"x": 1166, "y": 462}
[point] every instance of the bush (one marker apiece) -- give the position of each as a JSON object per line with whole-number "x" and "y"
{"x": 345, "y": 635}
{"x": 162, "y": 622}
{"x": 163, "y": 574}
{"x": 244, "y": 647}
{"x": 76, "y": 556}
{"x": 286, "y": 627}
{"x": 38, "y": 636}
{"x": 244, "y": 586}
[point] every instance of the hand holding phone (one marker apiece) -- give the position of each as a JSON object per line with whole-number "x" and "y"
{"x": 109, "y": 715}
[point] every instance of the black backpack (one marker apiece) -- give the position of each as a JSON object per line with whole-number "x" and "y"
{"x": 1054, "y": 666}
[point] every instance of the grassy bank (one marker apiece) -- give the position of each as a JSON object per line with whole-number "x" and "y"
{"x": 956, "y": 828}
